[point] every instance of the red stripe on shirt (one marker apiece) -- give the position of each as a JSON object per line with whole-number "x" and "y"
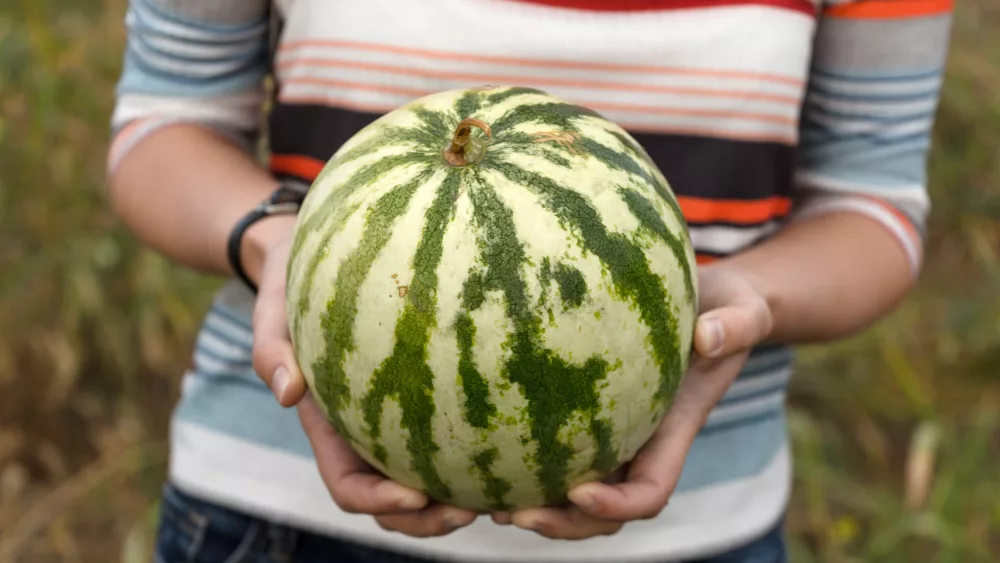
{"x": 890, "y": 9}
{"x": 289, "y": 47}
{"x": 303, "y": 167}
{"x": 803, "y": 6}
{"x": 735, "y": 212}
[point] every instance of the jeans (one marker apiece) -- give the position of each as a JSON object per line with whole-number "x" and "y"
{"x": 195, "y": 531}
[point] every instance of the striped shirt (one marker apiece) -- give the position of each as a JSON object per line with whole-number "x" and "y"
{"x": 758, "y": 112}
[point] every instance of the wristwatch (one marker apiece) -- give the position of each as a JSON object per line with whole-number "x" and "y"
{"x": 286, "y": 199}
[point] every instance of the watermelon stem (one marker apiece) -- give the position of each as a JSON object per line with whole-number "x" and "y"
{"x": 464, "y": 148}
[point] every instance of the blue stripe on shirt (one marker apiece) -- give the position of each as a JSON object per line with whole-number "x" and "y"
{"x": 167, "y": 55}
{"x": 248, "y": 411}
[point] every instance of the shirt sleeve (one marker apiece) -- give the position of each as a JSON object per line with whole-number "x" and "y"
{"x": 869, "y": 110}
{"x": 194, "y": 61}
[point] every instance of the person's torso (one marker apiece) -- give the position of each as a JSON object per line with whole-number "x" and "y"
{"x": 712, "y": 89}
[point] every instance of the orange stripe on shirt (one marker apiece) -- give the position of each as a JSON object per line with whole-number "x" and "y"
{"x": 740, "y": 212}
{"x": 553, "y": 63}
{"x": 597, "y": 106}
{"x": 907, "y": 223}
{"x": 890, "y": 9}
{"x": 703, "y": 259}
{"x": 480, "y": 78}
{"x": 304, "y": 167}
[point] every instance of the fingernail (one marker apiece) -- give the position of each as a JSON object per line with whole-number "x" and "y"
{"x": 410, "y": 502}
{"x": 713, "y": 329}
{"x": 584, "y": 501}
{"x": 502, "y": 518}
{"x": 279, "y": 382}
{"x": 452, "y": 523}
{"x": 535, "y": 525}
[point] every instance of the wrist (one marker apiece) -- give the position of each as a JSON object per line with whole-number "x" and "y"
{"x": 258, "y": 240}
{"x": 260, "y": 230}
{"x": 761, "y": 285}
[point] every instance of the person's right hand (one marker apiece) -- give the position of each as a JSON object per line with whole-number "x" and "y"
{"x": 355, "y": 486}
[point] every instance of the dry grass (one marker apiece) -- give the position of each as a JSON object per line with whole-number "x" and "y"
{"x": 897, "y": 431}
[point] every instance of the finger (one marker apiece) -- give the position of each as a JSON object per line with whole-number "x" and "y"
{"x": 351, "y": 482}
{"x": 732, "y": 328}
{"x": 733, "y": 316}
{"x": 436, "y": 520}
{"x": 501, "y": 518}
{"x": 568, "y": 523}
{"x": 273, "y": 356}
{"x": 656, "y": 468}
{"x": 650, "y": 480}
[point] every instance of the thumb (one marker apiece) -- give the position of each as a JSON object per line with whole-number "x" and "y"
{"x": 273, "y": 356}
{"x": 732, "y": 328}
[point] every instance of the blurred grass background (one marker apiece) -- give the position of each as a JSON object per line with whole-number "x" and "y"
{"x": 896, "y": 432}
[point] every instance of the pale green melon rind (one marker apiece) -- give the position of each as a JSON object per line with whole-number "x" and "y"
{"x": 568, "y": 395}
{"x": 405, "y": 374}
{"x": 338, "y": 320}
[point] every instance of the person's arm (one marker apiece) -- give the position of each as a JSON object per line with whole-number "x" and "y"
{"x": 181, "y": 170}
{"x": 855, "y": 245}
{"x": 183, "y": 188}
{"x": 181, "y": 175}
{"x": 849, "y": 255}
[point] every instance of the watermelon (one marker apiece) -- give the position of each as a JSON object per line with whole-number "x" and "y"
{"x": 491, "y": 293}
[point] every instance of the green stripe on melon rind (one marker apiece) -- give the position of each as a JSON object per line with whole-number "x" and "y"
{"x": 635, "y": 161}
{"x": 468, "y": 104}
{"x": 498, "y": 97}
{"x": 649, "y": 218}
{"x": 557, "y": 114}
{"x": 337, "y": 322}
{"x": 553, "y": 388}
{"x": 494, "y": 488}
{"x": 627, "y": 163}
{"x": 386, "y": 135}
{"x": 437, "y": 125}
{"x": 624, "y": 259}
{"x": 572, "y": 286}
{"x": 659, "y": 183}
{"x": 332, "y": 222}
{"x": 478, "y": 408}
{"x": 523, "y": 143}
{"x": 405, "y": 374}
{"x": 605, "y": 456}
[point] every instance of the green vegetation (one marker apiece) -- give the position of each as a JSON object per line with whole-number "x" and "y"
{"x": 896, "y": 432}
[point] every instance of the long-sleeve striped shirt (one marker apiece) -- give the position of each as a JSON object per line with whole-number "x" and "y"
{"x": 758, "y": 112}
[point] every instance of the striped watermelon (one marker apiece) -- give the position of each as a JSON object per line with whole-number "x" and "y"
{"x": 492, "y": 295}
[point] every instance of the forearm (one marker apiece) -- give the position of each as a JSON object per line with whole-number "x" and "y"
{"x": 826, "y": 277}
{"x": 183, "y": 188}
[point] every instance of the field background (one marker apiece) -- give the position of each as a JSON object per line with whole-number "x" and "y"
{"x": 896, "y": 432}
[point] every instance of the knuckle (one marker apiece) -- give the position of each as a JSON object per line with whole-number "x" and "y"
{"x": 410, "y": 526}
{"x": 650, "y": 513}
{"x": 385, "y": 524}
{"x": 264, "y": 354}
{"x": 612, "y": 530}
{"x": 654, "y": 510}
{"x": 345, "y": 502}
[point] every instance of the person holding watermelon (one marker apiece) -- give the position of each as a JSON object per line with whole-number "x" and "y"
{"x": 794, "y": 133}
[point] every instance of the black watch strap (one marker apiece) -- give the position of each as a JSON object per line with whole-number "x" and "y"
{"x": 284, "y": 200}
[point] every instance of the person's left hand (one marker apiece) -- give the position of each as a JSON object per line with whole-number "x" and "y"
{"x": 733, "y": 317}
